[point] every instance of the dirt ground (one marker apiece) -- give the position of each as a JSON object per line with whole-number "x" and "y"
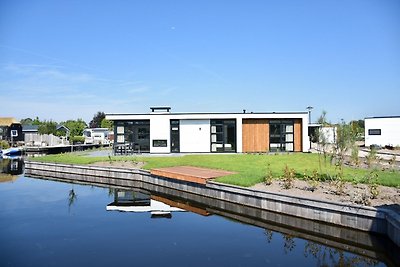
{"x": 352, "y": 193}
{"x": 119, "y": 164}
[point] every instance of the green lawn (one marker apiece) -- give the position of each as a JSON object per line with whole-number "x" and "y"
{"x": 250, "y": 169}
{"x": 79, "y": 158}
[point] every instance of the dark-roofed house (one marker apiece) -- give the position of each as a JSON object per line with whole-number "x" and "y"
{"x": 10, "y": 130}
{"x": 26, "y": 129}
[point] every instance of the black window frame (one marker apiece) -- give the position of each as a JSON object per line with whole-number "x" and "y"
{"x": 132, "y": 130}
{"x": 175, "y": 136}
{"x": 221, "y": 126}
{"x": 281, "y": 135}
{"x": 374, "y": 131}
{"x": 160, "y": 142}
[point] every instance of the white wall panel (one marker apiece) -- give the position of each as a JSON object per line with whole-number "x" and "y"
{"x": 160, "y": 130}
{"x": 390, "y": 131}
{"x": 194, "y": 135}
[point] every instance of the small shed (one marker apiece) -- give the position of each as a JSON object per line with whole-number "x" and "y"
{"x": 382, "y": 131}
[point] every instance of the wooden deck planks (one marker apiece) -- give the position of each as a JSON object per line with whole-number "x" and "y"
{"x": 190, "y": 174}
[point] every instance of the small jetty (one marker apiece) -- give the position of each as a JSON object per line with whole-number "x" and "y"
{"x": 190, "y": 174}
{"x": 32, "y": 150}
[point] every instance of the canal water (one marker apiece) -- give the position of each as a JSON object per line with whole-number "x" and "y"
{"x": 53, "y": 223}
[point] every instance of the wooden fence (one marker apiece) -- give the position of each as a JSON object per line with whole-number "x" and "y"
{"x": 34, "y": 139}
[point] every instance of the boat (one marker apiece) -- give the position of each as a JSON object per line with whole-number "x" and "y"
{"x": 11, "y": 152}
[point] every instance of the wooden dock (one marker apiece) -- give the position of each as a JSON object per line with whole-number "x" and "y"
{"x": 190, "y": 174}
{"x": 31, "y": 150}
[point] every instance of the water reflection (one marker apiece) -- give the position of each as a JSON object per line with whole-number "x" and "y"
{"x": 135, "y": 201}
{"x": 327, "y": 256}
{"x": 71, "y": 198}
{"x": 324, "y": 255}
{"x": 10, "y": 168}
{"x": 288, "y": 243}
{"x": 324, "y": 245}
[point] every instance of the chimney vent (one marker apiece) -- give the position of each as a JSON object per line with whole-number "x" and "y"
{"x": 160, "y": 109}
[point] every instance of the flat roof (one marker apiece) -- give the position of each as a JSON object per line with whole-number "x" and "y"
{"x": 383, "y": 117}
{"x": 204, "y": 113}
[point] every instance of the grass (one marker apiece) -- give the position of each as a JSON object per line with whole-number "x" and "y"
{"x": 80, "y": 158}
{"x": 251, "y": 169}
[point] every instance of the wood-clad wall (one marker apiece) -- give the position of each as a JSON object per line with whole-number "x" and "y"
{"x": 255, "y": 135}
{"x": 297, "y": 135}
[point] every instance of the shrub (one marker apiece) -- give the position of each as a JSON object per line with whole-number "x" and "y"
{"x": 4, "y": 144}
{"x": 354, "y": 155}
{"x": 288, "y": 177}
{"x": 77, "y": 139}
{"x": 392, "y": 162}
{"x": 268, "y": 176}
{"x": 313, "y": 180}
{"x": 339, "y": 185}
{"x": 372, "y": 179}
{"x": 371, "y": 157}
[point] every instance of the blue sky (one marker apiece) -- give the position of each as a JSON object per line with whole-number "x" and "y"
{"x": 69, "y": 59}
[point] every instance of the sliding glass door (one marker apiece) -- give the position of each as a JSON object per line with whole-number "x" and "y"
{"x": 223, "y": 135}
{"x": 281, "y": 135}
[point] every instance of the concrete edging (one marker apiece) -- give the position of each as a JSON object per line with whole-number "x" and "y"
{"x": 378, "y": 220}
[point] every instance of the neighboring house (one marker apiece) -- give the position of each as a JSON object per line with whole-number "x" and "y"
{"x": 164, "y": 132}
{"x": 96, "y": 136}
{"x": 10, "y": 130}
{"x": 317, "y": 133}
{"x": 30, "y": 129}
{"x": 382, "y": 131}
{"x": 63, "y": 129}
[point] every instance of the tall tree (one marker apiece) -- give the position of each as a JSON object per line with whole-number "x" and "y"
{"x": 36, "y": 121}
{"x": 97, "y": 118}
{"x": 26, "y": 121}
{"x": 107, "y": 124}
{"x": 48, "y": 127}
{"x": 358, "y": 127}
{"x": 75, "y": 127}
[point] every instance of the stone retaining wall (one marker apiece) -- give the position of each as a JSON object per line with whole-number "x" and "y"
{"x": 378, "y": 220}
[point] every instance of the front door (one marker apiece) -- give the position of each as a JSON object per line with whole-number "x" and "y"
{"x": 175, "y": 136}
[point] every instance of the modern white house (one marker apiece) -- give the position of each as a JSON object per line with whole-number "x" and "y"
{"x": 162, "y": 131}
{"x": 382, "y": 131}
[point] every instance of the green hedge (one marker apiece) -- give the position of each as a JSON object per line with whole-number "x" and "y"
{"x": 77, "y": 139}
{"x": 4, "y": 144}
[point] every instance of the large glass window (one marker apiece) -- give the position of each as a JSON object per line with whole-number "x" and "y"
{"x": 223, "y": 135}
{"x": 281, "y": 135}
{"x": 133, "y": 135}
